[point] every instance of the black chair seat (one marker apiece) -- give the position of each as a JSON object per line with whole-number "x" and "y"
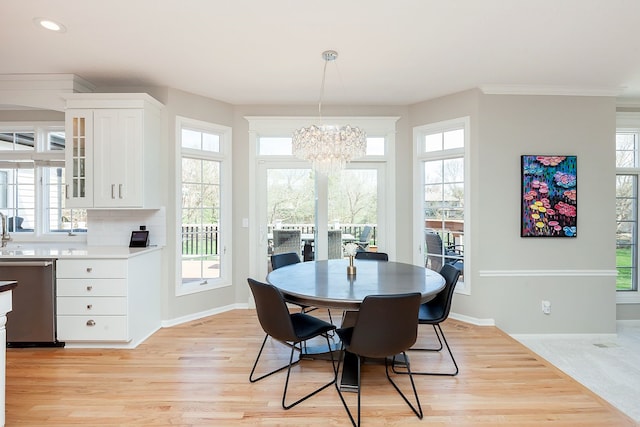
{"x": 307, "y": 327}
{"x": 431, "y": 313}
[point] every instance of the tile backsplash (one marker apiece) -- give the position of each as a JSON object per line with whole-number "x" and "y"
{"x": 114, "y": 227}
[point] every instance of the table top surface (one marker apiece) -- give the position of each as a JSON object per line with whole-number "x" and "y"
{"x": 326, "y": 283}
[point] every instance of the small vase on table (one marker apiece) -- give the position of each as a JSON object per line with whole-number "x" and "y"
{"x": 351, "y": 269}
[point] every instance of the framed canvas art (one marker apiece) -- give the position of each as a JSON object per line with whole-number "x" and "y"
{"x": 549, "y": 196}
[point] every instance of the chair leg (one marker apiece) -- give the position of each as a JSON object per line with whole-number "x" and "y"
{"x": 418, "y": 411}
{"x": 253, "y": 380}
{"x": 286, "y": 383}
{"x": 439, "y": 333}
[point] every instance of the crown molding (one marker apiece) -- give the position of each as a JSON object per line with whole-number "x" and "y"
{"x": 40, "y": 91}
{"x": 549, "y": 90}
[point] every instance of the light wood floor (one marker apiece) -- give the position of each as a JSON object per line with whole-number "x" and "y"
{"x": 196, "y": 374}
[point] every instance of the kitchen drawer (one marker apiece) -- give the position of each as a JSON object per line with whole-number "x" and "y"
{"x": 85, "y": 268}
{"x": 92, "y": 328}
{"x": 92, "y": 306}
{"x": 91, "y": 287}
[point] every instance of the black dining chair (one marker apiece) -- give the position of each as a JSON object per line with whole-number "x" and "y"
{"x": 289, "y": 329}
{"x": 435, "y": 312}
{"x": 284, "y": 259}
{"x": 386, "y": 326}
{"x": 374, "y": 256}
{"x": 289, "y": 258}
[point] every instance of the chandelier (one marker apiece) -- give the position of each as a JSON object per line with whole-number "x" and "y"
{"x": 328, "y": 147}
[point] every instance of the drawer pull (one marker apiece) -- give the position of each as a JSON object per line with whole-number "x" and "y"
{"x": 89, "y": 306}
{"x": 89, "y": 288}
{"x": 89, "y": 269}
{"x": 91, "y": 323}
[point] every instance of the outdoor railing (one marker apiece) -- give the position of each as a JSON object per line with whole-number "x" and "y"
{"x": 354, "y": 229}
{"x": 199, "y": 240}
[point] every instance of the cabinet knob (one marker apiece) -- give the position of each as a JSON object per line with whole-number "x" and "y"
{"x": 89, "y": 269}
{"x": 89, "y": 288}
{"x": 91, "y": 323}
{"x": 89, "y": 306}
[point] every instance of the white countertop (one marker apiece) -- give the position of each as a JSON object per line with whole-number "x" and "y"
{"x": 60, "y": 251}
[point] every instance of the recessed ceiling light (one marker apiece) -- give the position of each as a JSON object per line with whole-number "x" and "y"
{"x": 50, "y": 25}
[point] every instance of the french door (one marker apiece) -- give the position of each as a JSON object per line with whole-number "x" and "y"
{"x": 290, "y": 196}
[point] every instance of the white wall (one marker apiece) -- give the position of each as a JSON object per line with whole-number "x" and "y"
{"x": 510, "y": 275}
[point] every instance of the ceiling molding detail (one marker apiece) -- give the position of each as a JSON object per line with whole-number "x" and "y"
{"x": 549, "y": 90}
{"x": 40, "y": 91}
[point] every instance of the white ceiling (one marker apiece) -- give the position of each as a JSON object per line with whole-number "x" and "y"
{"x": 269, "y": 51}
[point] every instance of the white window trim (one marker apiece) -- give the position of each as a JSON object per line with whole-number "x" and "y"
{"x": 628, "y": 121}
{"x": 226, "y": 218}
{"x": 419, "y": 156}
{"x": 39, "y": 157}
{"x": 278, "y": 126}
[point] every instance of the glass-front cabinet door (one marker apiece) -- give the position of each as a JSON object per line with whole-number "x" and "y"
{"x": 79, "y": 158}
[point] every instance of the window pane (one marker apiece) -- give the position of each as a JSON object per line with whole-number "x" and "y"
{"x": 59, "y": 218}
{"x": 626, "y": 150}
{"x": 433, "y": 172}
{"x": 271, "y": 146}
{"x": 191, "y": 139}
{"x": 17, "y": 141}
{"x": 375, "y": 147}
{"x": 433, "y": 142}
{"x": 211, "y": 142}
{"x": 453, "y": 170}
{"x": 18, "y": 196}
{"x": 626, "y": 232}
{"x": 353, "y": 198}
{"x": 454, "y": 139}
{"x": 200, "y": 217}
{"x": 55, "y": 141}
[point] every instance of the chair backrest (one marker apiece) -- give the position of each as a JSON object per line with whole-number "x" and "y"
{"x": 386, "y": 325}
{"x": 335, "y": 244}
{"x": 434, "y": 250}
{"x": 273, "y": 313}
{"x": 287, "y": 241}
{"x": 440, "y": 306}
{"x": 375, "y": 256}
{"x": 365, "y": 235}
{"x": 287, "y": 258}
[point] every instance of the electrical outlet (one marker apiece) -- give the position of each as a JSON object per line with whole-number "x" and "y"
{"x": 546, "y": 307}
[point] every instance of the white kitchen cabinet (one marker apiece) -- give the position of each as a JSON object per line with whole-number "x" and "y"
{"x": 113, "y": 151}
{"x": 106, "y": 302}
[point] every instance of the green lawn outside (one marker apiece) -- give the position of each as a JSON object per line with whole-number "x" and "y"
{"x": 623, "y": 258}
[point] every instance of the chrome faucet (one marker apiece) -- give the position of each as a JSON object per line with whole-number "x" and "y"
{"x": 6, "y": 237}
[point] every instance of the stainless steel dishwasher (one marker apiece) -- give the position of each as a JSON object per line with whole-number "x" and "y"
{"x": 32, "y": 322}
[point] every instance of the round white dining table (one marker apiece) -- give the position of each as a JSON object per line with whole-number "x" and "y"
{"x": 326, "y": 283}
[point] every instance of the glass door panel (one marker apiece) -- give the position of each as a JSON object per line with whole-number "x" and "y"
{"x": 352, "y": 206}
{"x": 290, "y": 214}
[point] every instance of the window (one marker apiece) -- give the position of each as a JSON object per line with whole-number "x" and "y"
{"x": 442, "y": 225}
{"x": 288, "y": 195}
{"x": 32, "y": 182}
{"x": 627, "y": 173}
{"x": 205, "y": 203}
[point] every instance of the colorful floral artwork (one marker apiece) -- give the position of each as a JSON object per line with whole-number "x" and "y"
{"x": 549, "y": 205}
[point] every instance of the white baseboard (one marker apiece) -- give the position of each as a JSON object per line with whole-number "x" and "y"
{"x": 472, "y": 320}
{"x": 195, "y": 316}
